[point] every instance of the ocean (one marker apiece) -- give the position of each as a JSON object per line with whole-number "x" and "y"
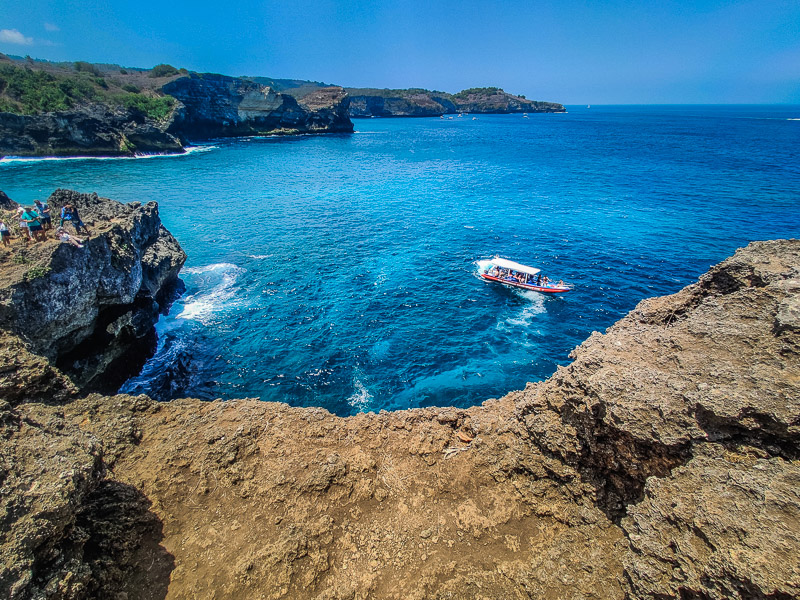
{"x": 341, "y": 271}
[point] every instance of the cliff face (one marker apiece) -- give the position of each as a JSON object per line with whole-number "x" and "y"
{"x": 89, "y": 130}
{"x": 662, "y": 463}
{"x": 412, "y": 105}
{"x": 424, "y": 103}
{"x": 91, "y": 310}
{"x": 81, "y": 109}
{"x": 221, "y": 106}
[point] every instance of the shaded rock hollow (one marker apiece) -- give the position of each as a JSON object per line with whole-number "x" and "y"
{"x": 662, "y": 463}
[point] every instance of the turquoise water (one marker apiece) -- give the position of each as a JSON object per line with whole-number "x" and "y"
{"x": 339, "y": 271}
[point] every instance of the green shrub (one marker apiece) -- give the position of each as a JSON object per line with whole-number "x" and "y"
{"x": 9, "y": 106}
{"x": 84, "y": 67}
{"x": 163, "y": 70}
{"x": 155, "y": 108}
{"x": 123, "y": 71}
{"x": 484, "y": 90}
{"x": 28, "y": 91}
{"x": 32, "y": 92}
{"x": 35, "y": 272}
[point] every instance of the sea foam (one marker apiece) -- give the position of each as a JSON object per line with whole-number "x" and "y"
{"x": 217, "y": 283}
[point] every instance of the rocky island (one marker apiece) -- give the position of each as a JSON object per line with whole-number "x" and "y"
{"x": 664, "y": 462}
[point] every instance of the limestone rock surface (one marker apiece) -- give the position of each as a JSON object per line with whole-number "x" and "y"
{"x": 663, "y": 463}
{"x": 222, "y": 106}
{"x": 88, "y": 130}
{"x": 88, "y": 309}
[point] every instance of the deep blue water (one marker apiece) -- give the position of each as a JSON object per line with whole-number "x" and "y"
{"x": 339, "y": 271}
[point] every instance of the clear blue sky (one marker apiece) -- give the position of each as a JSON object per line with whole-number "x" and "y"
{"x": 599, "y": 52}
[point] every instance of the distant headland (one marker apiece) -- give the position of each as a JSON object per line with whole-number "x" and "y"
{"x": 87, "y": 109}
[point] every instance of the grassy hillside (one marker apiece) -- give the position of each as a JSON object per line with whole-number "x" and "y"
{"x": 32, "y": 87}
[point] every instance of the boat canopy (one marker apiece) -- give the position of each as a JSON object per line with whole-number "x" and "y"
{"x": 510, "y": 264}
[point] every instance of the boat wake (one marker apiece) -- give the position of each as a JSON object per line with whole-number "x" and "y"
{"x": 534, "y": 307}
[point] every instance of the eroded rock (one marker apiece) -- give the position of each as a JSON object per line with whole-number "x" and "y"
{"x": 89, "y": 310}
{"x": 662, "y": 463}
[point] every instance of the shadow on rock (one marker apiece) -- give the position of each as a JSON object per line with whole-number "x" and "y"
{"x": 123, "y": 549}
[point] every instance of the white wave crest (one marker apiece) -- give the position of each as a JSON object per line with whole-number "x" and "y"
{"x": 35, "y": 159}
{"x": 210, "y": 268}
{"x": 483, "y": 265}
{"x": 218, "y": 288}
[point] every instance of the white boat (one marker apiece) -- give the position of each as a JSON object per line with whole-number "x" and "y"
{"x": 514, "y": 274}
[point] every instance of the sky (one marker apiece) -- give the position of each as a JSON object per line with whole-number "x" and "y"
{"x": 573, "y": 52}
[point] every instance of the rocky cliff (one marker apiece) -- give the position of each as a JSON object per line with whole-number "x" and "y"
{"x": 94, "y": 129}
{"x": 425, "y": 103}
{"x": 221, "y": 106}
{"x": 91, "y": 310}
{"x": 662, "y": 463}
{"x": 83, "y": 109}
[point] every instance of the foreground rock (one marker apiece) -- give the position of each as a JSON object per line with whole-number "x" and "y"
{"x": 663, "y": 463}
{"x": 91, "y": 310}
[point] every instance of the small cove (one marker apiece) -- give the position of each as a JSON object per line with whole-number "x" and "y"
{"x": 339, "y": 271}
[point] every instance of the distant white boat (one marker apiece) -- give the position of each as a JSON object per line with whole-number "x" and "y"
{"x": 588, "y": 106}
{"x": 474, "y": 118}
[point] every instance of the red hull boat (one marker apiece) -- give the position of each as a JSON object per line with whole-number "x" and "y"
{"x": 521, "y": 276}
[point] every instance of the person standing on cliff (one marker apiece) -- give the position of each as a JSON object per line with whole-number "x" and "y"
{"x": 24, "y": 233}
{"x": 76, "y": 221}
{"x": 31, "y": 217}
{"x": 5, "y": 234}
{"x": 44, "y": 213}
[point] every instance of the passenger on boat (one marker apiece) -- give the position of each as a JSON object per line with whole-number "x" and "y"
{"x": 560, "y": 283}
{"x": 539, "y": 279}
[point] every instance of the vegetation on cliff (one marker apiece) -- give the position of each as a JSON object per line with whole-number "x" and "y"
{"x": 82, "y": 108}
{"x": 27, "y": 91}
{"x": 417, "y": 102}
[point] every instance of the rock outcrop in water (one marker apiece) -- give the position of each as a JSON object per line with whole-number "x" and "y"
{"x": 91, "y": 311}
{"x": 662, "y": 463}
